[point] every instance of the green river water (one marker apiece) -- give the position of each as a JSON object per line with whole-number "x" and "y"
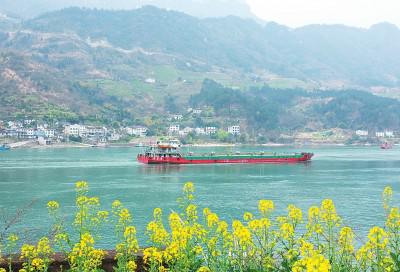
{"x": 354, "y": 177}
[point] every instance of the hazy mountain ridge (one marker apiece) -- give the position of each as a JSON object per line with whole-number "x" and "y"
{"x": 198, "y": 8}
{"x": 317, "y": 52}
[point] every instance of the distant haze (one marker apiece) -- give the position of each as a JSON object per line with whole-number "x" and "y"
{"x": 295, "y": 13}
{"x": 199, "y": 8}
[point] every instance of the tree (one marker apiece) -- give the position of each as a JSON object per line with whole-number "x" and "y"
{"x": 222, "y": 135}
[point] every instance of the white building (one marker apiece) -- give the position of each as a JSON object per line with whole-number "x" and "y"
{"x": 114, "y": 137}
{"x": 234, "y": 130}
{"x": 150, "y": 80}
{"x": 49, "y": 133}
{"x": 26, "y": 133}
{"x": 185, "y": 131}
{"x": 389, "y": 133}
{"x": 188, "y": 129}
{"x": 42, "y": 140}
{"x": 95, "y": 132}
{"x": 200, "y": 131}
{"x": 136, "y": 131}
{"x": 12, "y": 133}
{"x": 211, "y": 130}
{"x": 28, "y": 121}
{"x": 361, "y": 132}
{"x": 197, "y": 111}
{"x": 75, "y": 130}
{"x": 173, "y": 129}
{"x": 380, "y": 134}
{"x": 14, "y": 125}
{"x": 177, "y": 117}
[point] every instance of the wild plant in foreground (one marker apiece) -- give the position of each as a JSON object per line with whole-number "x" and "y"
{"x": 128, "y": 246}
{"x": 193, "y": 241}
{"x": 79, "y": 245}
{"x": 36, "y": 258}
{"x": 9, "y": 249}
{"x": 264, "y": 243}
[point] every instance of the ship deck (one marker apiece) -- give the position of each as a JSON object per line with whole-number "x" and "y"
{"x": 242, "y": 156}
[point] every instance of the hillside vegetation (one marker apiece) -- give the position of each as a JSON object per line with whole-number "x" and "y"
{"x": 124, "y": 66}
{"x": 316, "y": 52}
{"x": 294, "y": 109}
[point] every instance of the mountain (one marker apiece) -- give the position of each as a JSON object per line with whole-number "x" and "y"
{"x": 323, "y": 53}
{"x": 137, "y": 66}
{"x": 268, "y": 109}
{"x": 198, "y": 8}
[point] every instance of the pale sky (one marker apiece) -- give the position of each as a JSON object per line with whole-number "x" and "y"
{"x": 295, "y": 13}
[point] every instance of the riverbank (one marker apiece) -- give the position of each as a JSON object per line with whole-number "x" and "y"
{"x": 35, "y": 145}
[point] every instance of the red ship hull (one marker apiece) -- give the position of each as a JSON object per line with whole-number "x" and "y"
{"x": 173, "y": 160}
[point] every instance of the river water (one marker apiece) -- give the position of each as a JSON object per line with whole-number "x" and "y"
{"x": 354, "y": 177}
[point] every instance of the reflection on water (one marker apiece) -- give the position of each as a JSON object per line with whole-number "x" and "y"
{"x": 160, "y": 168}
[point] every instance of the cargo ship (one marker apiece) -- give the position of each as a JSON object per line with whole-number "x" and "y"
{"x": 169, "y": 153}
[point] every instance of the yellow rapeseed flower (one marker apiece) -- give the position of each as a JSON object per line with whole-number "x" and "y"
{"x": 157, "y": 213}
{"x": 287, "y": 231}
{"x": 212, "y": 219}
{"x": 191, "y": 212}
{"x": 129, "y": 231}
{"x": 314, "y": 263}
{"x": 94, "y": 201}
{"x": 81, "y": 185}
{"x": 295, "y": 214}
{"x": 28, "y": 251}
{"x": 102, "y": 215}
{"x": 393, "y": 220}
{"x": 313, "y": 213}
{"x": 43, "y": 247}
{"x": 124, "y": 215}
{"x": 387, "y": 197}
{"x": 265, "y": 207}
{"x": 53, "y": 205}
{"x": 388, "y": 192}
{"x": 12, "y": 238}
{"x": 346, "y": 237}
{"x": 87, "y": 239}
{"x": 188, "y": 187}
{"x": 306, "y": 248}
{"x": 38, "y": 264}
{"x": 241, "y": 233}
{"x": 152, "y": 255}
{"x": 328, "y": 212}
{"x": 81, "y": 200}
{"x": 247, "y": 216}
{"x": 158, "y": 235}
{"x": 378, "y": 237}
{"x": 313, "y": 224}
{"x": 131, "y": 266}
{"x": 116, "y": 204}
